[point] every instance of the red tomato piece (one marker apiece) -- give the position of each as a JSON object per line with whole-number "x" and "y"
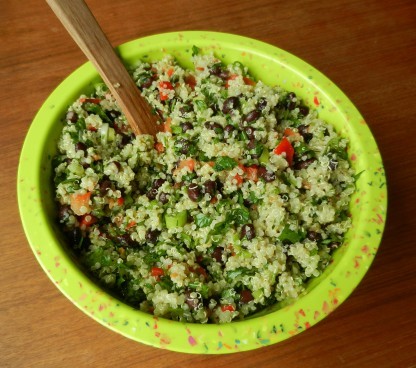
{"x": 252, "y": 172}
{"x": 88, "y": 220}
{"x": 156, "y": 271}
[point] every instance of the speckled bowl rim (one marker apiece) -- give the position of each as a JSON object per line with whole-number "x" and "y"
{"x": 273, "y": 66}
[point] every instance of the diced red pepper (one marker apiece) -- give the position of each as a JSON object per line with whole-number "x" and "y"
{"x": 120, "y": 201}
{"x": 227, "y": 307}
{"x": 156, "y": 272}
{"x": 170, "y": 71}
{"x": 165, "y": 85}
{"x": 285, "y": 147}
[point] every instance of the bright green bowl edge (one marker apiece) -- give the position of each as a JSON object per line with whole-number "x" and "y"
{"x": 325, "y": 294}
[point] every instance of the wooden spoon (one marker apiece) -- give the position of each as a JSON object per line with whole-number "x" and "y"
{"x": 86, "y": 32}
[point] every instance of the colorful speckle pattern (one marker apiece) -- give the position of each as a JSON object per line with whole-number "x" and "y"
{"x": 273, "y": 66}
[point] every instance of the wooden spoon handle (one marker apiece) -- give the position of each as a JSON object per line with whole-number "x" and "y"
{"x": 86, "y": 32}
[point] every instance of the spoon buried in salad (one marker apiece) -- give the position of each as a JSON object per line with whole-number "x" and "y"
{"x": 82, "y": 26}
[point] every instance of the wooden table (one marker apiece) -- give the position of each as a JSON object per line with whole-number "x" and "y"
{"x": 366, "y": 47}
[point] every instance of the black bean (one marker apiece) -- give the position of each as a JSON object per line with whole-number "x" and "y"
{"x": 214, "y": 108}
{"x": 230, "y": 104}
{"x": 217, "y": 254}
{"x": 250, "y": 132}
{"x": 247, "y": 202}
{"x": 248, "y": 232}
{"x": 307, "y": 137}
{"x": 183, "y": 146}
{"x": 81, "y": 147}
{"x": 105, "y": 185}
{"x": 215, "y": 70}
{"x": 229, "y": 129}
{"x": 151, "y": 194}
{"x": 333, "y": 164}
{"x": 124, "y": 240}
{"x": 164, "y": 197}
{"x": 194, "y": 192}
{"x": 157, "y": 183}
{"x": 186, "y": 126}
{"x": 304, "y": 164}
{"x": 217, "y": 128}
{"x": 246, "y": 296}
{"x": 125, "y": 139}
{"x": 152, "y": 236}
{"x": 72, "y": 117}
{"x": 185, "y": 109}
{"x": 190, "y": 218}
{"x": 146, "y": 82}
{"x": 304, "y": 110}
{"x": 112, "y": 114}
{"x": 252, "y": 116}
{"x": 118, "y": 165}
{"x": 64, "y": 211}
{"x": 220, "y": 185}
{"x": 334, "y": 245}
{"x": 224, "y": 74}
{"x": 303, "y": 129}
{"x": 210, "y": 187}
{"x": 290, "y": 103}
{"x": 313, "y": 236}
{"x": 261, "y": 104}
{"x": 75, "y": 236}
{"x": 192, "y": 302}
{"x": 266, "y": 175}
{"x": 219, "y": 71}
{"x": 251, "y": 144}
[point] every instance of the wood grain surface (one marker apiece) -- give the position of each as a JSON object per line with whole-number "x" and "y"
{"x": 367, "y": 47}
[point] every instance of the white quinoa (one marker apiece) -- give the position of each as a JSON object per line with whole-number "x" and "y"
{"x": 235, "y": 206}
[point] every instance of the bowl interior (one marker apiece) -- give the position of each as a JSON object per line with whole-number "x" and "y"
{"x": 325, "y": 293}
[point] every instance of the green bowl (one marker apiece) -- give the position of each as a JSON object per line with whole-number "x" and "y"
{"x": 324, "y": 294}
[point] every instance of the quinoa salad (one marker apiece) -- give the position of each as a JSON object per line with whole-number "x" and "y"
{"x": 233, "y": 206}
